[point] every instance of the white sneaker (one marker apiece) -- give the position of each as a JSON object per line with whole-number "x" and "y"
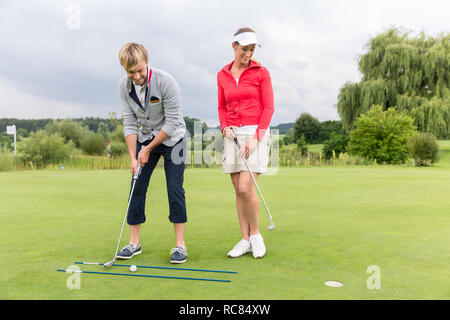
{"x": 258, "y": 247}
{"x": 240, "y": 249}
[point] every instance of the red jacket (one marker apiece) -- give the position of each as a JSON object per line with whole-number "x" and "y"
{"x": 248, "y": 103}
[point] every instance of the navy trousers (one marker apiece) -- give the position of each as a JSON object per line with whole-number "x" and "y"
{"x": 174, "y": 164}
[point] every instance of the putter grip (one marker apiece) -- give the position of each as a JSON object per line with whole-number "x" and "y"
{"x": 237, "y": 142}
{"x": 135, "y": 177}
{"x": 235, "y": 139}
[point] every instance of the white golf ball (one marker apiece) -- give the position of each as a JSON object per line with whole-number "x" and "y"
{"x": 133, "y": 268}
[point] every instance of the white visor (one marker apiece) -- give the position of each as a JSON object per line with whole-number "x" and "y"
{"x": 246, "y": 38}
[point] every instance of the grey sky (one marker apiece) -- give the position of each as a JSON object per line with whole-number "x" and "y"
{"x": 51, "y": 70}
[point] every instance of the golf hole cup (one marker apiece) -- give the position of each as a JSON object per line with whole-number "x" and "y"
{"x": 133, "y": 268}
{"x": 334, "y": 284}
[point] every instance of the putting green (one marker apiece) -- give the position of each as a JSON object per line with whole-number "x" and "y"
{"x": 332, "y": 224}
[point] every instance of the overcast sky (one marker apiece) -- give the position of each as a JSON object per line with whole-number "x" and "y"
{"x": 54, "y": 65}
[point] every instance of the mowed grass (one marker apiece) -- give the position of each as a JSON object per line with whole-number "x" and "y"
{"x": 444, "y": 160}
{"x": 331, "y": 224}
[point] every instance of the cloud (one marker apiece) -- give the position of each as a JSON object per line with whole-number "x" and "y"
{"x": 18, "y": 104}
{"x": 311, "y": 49}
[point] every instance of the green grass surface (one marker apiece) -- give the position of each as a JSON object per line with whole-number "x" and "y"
{"x": 444, "y": 161}
{"x": 331, "y": 224}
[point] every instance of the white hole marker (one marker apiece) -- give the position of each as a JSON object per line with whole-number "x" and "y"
{"x": 334, "y": 284}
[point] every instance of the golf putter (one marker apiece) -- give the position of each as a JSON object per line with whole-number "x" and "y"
{"x": 271, "y": 226}
{"x": 135, "y": 178}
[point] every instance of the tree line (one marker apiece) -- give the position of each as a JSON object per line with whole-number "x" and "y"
{"x": 49, "y": 141}
{"x": 26, "y": 126}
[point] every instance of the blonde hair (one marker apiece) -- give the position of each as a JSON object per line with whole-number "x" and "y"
{"x": 131, "y": 54}
{"x": 242, "y": 30}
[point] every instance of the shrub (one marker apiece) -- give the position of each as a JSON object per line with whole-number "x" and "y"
{"x": 117, "y": 149}
{"x": 424, "y": 149}
{"x": 327, "y": 128}
{"x": 337, "y": 143}
{"x": 6, "y": 141}
{"x": 6, "y": 159}
{"x": 308, "y": 126}
{"x": 382, "y": 135}
{"x": 93, "y": 144}
{"x": 42, "y": 149}
{"x": 302, "y": 146}
{"x": 117, "y": 135}
{"x": 69, "y": 129}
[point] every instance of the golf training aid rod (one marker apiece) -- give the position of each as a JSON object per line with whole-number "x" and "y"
{"x": 141, "y": 275}
{"x": 271, "y": 226}
{"x": 135, "y": 178}
{"x": 153, "y": 267}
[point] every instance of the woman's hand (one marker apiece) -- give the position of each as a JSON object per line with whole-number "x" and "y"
{"x": 249, "y": 147}
{"x": 229, "y": 133}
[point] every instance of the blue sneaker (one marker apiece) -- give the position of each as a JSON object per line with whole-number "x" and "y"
{"x": 179, "y": 255}
{"x": 129, "y": 251}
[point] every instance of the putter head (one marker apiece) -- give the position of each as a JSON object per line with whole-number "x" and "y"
{"x": 271, "y": 227}
{"x": 108, "y": 264}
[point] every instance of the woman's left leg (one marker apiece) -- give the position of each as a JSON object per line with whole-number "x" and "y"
{"x": 250, "y": 201}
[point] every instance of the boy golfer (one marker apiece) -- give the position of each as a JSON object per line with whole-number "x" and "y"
{"x": 151, "y": 98}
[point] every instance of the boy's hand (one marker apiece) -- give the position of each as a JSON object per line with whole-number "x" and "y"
{"x": 143, "y": 157}
{"x": 134, "y": 166}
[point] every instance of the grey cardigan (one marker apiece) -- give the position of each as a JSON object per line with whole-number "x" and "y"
{"x": 160, "y": 112}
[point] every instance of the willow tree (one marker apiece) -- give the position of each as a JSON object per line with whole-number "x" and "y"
{"x": 409, "y": 73}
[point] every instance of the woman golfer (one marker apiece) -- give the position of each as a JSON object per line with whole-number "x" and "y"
{"x": 245, "y": 105}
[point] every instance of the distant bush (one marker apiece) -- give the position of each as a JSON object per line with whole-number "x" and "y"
{"x": 382, "y": 135}
{"x": 42, "y": 148}
{"x": 337, "y": 143}
{"x": 288, "y": 138}
{"x": 424, "y": 149}
{"x": 93, "y": 144}
{"x": 327, "y": 128}
{"x": 69, "y": 129}
{"x": 118, "y": 145}
{"x": 117, "y": 135}
{"x": 117, "y": 149}
{"x": 308, "y": 126}
{"x": 302, "y": 146}
{"x": 6, "y": 141}
{"x": 6, "y": 159}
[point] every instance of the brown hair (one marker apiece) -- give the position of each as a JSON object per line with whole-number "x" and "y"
{"x": 242, "y": 30}
{"x": 131, "y": 54}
